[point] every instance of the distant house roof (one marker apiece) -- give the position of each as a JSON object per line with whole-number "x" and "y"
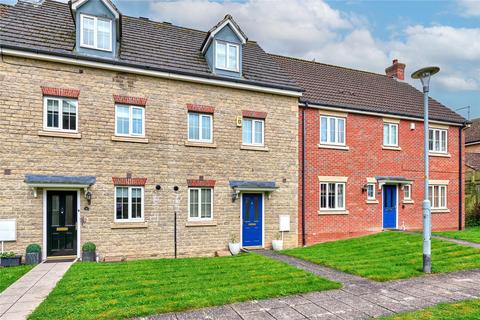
{"x": 472, "y": 134}
{"x": 49, "y": 28}
{"x": 346, "y": 88}
{"x": 472, "y": 160}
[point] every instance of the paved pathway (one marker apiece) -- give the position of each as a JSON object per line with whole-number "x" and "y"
{"x": 358, "y": 299}
{"x": 460, "y": 242}
{"x": 22, "y": 297}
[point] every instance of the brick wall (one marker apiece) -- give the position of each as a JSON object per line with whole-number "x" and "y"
{"x": 165, "y": 160}
{"x": 366, "y": 158}
{"x": 473, "y": 148}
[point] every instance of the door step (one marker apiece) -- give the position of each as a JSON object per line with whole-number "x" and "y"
{"x": 54, "y": 259}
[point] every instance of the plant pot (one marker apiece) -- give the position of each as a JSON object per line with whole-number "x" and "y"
{"x": 234, "y": 248}
{"x": 11, "y": 262}
{"x": 277, "y": 245}
{"x": 33, "y": 258}
{"x": 90, "y": 256}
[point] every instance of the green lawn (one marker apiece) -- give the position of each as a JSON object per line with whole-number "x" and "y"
{"x": 388, "y": 256}
{"x": 146, "y": 287}
{"x": 470, "y": 234}
{"x": 11, "y": 274}
{"x": 466, "y": 310}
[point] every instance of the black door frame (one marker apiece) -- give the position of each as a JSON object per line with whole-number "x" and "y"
{"x": 45, "y": 254}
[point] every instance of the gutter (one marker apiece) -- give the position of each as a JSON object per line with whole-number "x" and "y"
{"x": 304, "y": 131}
{"x": 121, "y": 66}
{"x": 378, "y": 114}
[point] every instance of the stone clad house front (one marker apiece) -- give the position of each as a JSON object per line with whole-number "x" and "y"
{"x": 112, "y": 125}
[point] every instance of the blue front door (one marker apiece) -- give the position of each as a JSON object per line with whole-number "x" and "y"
{"x": 389, "y": 207}
{"x": 252, "y": 228}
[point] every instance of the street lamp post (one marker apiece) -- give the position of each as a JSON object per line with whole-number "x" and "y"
{"x": 424, "y": 75}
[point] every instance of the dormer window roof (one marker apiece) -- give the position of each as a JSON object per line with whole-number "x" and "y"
{"x": 228, "y": 20}
{"x": 95, "y": 32}
{"x": 78, "y": 3}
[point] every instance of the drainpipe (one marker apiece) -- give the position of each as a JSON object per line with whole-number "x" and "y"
{"x": 460, "y": 180}
{"x": 304, "y": 132}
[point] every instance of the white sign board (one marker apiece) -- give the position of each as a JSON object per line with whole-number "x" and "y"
{"x": 284, "y": 223}
{"x": 8, "y": 230}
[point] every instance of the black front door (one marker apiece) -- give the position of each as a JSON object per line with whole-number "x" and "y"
{"x": 61, "y": 223}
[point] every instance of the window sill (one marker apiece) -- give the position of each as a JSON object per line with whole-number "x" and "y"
{"x": 254, "y": 148}
{"x": 436, "y": 154}
{"x": 440, "y": 210}
{"x": 371, "y": 201}
{"x": 200, "y": 144}
{"x": 408, "y": 202}
{"x": 331, "y": 146}
{"x": 129, "y": 225}
{"x": 395, "y": 148}
{"x": 60, "y": 134}
{"x": 201, "y": 224}
{"x": 130, "y": 139}
{"x": 332, "y": 212}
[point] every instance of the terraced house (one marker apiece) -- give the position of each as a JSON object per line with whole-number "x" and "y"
{"x": 361, "y": 153}
{"x": 112, "y": 125}
{"x": 150, "y": 139}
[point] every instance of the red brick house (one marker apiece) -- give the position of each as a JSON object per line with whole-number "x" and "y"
{"x": 361, "y": 153}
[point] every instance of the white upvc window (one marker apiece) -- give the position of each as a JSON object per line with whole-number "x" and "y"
{"x": 200, "y": 203}
{"x": 60, "y": 114}
{"x": 129, "y": 121}
{"x": 390, "y": 134}
{"x": 437, "y": 140}
{"x": 227, "y": 56}
{"x": 407, "y": 192}
{"x": 200, "y": 127}
{"x": 370, "y": 191}
{"x": 332, "y": 130}
{"x": 95, "y": 33}
{"x": 129, "y": 203}
{"x": 438, "y": 196}
{"x": 253, "y": 131}
{"x": 332, "y": 196}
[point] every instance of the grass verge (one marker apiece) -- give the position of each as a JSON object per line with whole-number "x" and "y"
{"x": 470, "y": 234}
{"x": 388, "y": 256}
{"x": 11, "y": 274}
{"x": 140, "y": 288}
{"x": 465, "y": 310}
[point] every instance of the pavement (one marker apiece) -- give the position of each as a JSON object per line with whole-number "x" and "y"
{"x": 26, "y": 294}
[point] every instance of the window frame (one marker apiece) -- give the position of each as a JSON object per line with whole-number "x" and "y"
{"x": 199, "y": 218}
{"x": 389, "y": 143}
{"x": 254, "y": 120}
{"x": 431, "y": 196}
{"x": 60, "y": 114}
{"x": 343, "y": 208}
{"x": 95, "y": 33}
{"x": 228, "y": 45}
{"x": 130, "y": 121}
{"x": 200, "y": 134}
{"x": 440, "y": 130}
{"x": 335, "y": 143}
{"x": 129, "y": 219}
{"x": 371, "y": 198}
{"x": 409, "y": 187}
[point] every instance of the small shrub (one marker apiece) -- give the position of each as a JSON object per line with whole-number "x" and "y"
{"x": 472, "y": 217}
{"x": 10, "y": 254}
{"x": 33, "y": 248}
{"x": 89, "y": 247}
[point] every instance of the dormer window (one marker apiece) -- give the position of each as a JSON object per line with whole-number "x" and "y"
{"x": 227, "y": 56}
{"x": 96, "y": 33}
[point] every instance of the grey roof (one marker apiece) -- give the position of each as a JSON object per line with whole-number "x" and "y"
{"x": 47, "y": 179}
{"x": 472, "y": 134}
{"x": 253, "y": 184}
{"x": 352, "y": 89}
{"x": 49, "y": 28}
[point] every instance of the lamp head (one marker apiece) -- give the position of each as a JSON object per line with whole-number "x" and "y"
{"x": 424, "y": 75}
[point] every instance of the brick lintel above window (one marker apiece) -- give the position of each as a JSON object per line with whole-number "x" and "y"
{"x": 200, "y": 183}
{"x": 254, "y": 114}
{"x": 131, "y": 101}
{"x": 129, "y": 181}
{"x": 200, "y": 108}
{"x": 60, "y": 92}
